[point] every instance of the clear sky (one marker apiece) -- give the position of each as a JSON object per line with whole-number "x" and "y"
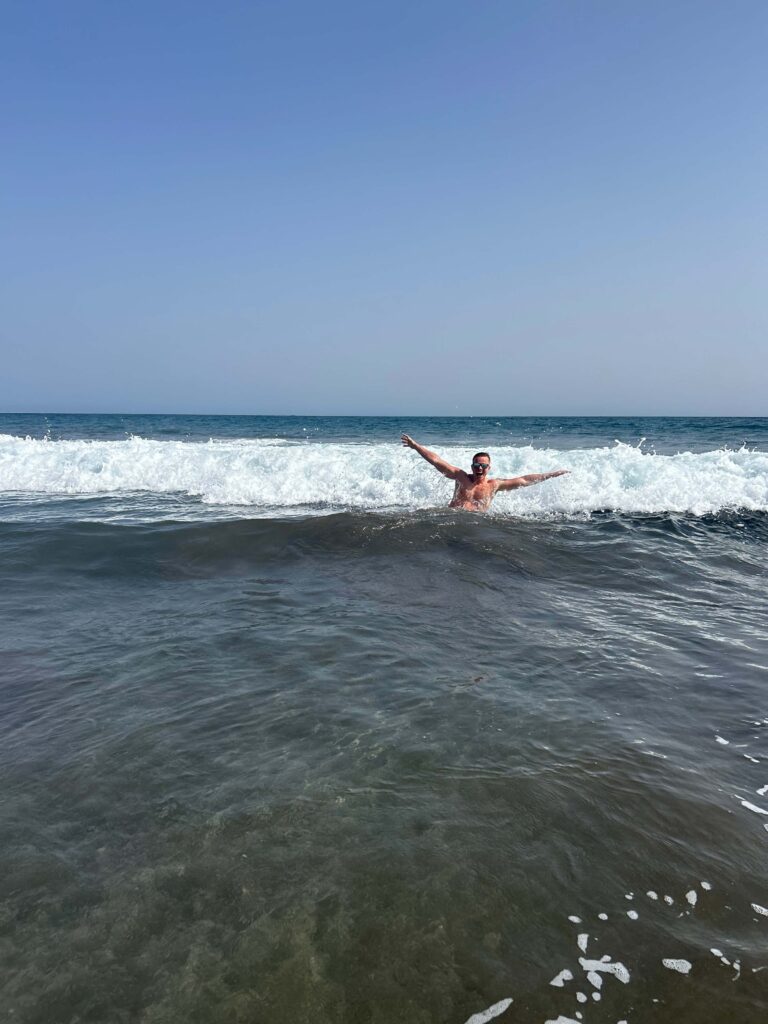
{"x": 552, "y": 207}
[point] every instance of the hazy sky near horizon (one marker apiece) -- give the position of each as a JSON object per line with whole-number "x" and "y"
{"x": 551, "y": 207}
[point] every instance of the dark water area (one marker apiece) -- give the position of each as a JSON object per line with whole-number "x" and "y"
{"x": 366, "y": 766}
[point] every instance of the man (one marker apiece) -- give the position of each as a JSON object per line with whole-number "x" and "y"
{"x": 475, "y": 491}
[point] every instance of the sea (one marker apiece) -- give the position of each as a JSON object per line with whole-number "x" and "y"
{"x": 285, "y": 740}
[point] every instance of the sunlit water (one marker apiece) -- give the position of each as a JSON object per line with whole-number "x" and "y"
{"x": 283, "y": 740}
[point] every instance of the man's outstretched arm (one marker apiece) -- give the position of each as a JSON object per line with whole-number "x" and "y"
{"x": 525, "y": 481}
{"x": 452, "y": 472}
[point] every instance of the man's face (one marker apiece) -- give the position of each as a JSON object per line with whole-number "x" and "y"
{"x": 481, "y": 467}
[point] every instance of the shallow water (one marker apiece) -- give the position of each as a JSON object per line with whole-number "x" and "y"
{"x": 362, "y": 766}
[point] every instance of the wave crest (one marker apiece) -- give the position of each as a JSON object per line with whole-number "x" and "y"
{"x": 286, "y": 475}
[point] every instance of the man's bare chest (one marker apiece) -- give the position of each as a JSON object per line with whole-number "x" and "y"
{"x": 481, "y": 492}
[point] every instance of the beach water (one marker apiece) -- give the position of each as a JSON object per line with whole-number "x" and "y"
{"x": 284, "y": 739}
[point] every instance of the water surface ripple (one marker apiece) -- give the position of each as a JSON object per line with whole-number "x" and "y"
{"x": 364, "y": 767}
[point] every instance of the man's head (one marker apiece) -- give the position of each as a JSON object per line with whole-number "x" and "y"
{"x": 481, "y": 465}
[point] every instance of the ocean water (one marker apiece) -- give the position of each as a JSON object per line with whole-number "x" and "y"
{"x": 284, "y": 739}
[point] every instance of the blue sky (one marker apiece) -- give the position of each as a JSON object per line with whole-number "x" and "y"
{"x": 419, "y": 208}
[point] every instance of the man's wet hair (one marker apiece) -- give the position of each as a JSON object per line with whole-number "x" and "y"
{"x": 478, "y": 454}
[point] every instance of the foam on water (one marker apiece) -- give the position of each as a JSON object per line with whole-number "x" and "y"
{"x": 681, "y": 966}
{"x": 753, "y": 807}
{"x": 274, "y": 473}
{"x": 493, "y": 1011}
{"x": 559, "y": 980}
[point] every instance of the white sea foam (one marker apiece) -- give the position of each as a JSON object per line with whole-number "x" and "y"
{"x": 271, "y": 472}
{"x": 607, "y": 966}
{"x": 753, "y": 807}
{"x": 559, "y": 980}
{"x": 681, "y": 966}
{"x": 493, "y": 1011}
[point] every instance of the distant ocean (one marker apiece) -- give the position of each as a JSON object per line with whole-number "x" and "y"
{"x": 284, "y": 739}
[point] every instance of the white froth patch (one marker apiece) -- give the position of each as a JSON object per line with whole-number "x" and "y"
{"x": 595, "y": 968}
{"x": 629, "y": 895}
{"x": 243, "y": 472}
{"x": 652, "y": 895}
{"x": 753, "y": 807}
{"x": 760, "y": 910}
{"x": 574, "y": 919}
{"x": 692, "y": 896}
{"x": 560, "y": 979}
{"x": 668, "y": 900}
{"x": 490, "y": 1013}
{"x": 754, "y": 760}
{"x": 762, "y": 791}
{"x": 580, "y": 997}
{"x": 561, "y": 1020}
{"x": 706, "y": 886}
{"x": 716, "y": 952}
{"x": 681, "y": 966}
{"x": 720, "y": 739}
{"x": 582, "y": 941}
{"x": 632, "y": 915}
{"x": 603, "y": 917}
{"x": 596, "y": 996}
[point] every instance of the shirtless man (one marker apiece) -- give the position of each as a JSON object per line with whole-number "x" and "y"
{"x": 475, "y": 491}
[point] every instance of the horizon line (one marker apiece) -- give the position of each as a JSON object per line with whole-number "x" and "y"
{"x": 410, "y": 416}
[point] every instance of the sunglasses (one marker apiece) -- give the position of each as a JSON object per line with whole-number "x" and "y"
{"x": 481, "y": 465}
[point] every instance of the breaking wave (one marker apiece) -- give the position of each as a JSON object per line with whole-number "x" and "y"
{"x": 263, "y": 475}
